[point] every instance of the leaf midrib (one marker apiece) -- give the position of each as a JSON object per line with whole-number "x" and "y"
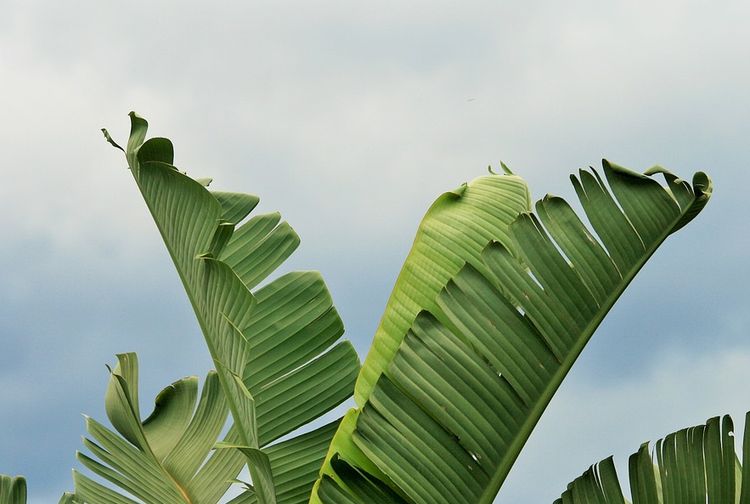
{"x": 201, "y": 323}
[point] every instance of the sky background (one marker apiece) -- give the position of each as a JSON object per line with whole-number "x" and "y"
{"x": 351, "y": 118}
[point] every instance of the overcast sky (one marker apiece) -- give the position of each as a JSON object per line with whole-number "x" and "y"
{"x": 350, "y": 118}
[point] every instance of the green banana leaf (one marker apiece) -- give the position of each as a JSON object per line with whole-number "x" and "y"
{"x": 163, "y": 458}
{"x": 692, "y": 466}
{"x": 454, "y": 231}
{"x": 12, "y": 489}
{"x": 278, "y": 363}
{"x": 160, "y": 459}
{"x": 456, "y": 382}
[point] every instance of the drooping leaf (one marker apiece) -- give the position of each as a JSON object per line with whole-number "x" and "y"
{"x": 450, "y": 396}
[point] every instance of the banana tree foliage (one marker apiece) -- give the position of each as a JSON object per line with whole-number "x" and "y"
{"x": 693, "y": 465}
{"x": 278, "y": 363}
{"x": 495, "y": 301}
{"x": 491, "y": 309}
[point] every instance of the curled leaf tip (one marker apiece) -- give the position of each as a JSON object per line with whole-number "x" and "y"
{"x": 459, "y": 191}
{"x": 702, "y": 182}
{"x": 110, "y": 140}
{"x": 492, "y": 172}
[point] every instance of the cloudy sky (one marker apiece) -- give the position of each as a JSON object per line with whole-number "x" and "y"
{"x": 351, "y": 118}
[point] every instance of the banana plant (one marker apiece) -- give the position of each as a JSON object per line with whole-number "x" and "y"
{"x": 491, "y": 309}
{"x": 693, "y": 465}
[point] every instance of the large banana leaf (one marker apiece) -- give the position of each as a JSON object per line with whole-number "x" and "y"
{"x": 455, "y": 384}
{"x": 696, "y": 465}
{"x": 454, "y": 231}
{"x": 12, "y": 489}
{"x": 277, "y": 360}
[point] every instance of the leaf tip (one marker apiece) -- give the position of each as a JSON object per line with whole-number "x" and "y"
{"x": 458, "y": 191}
{"x": 505, "y": 168}
{"x": 110, "y": 140}
{"x": 703, "y": 183}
